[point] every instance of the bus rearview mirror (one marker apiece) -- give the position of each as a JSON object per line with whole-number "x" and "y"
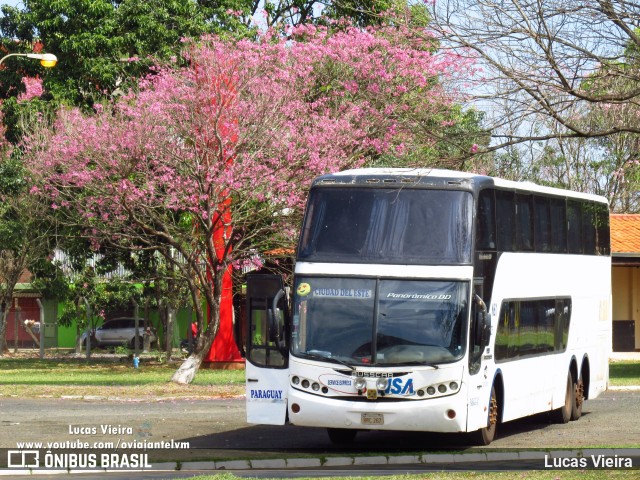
{"x": 482, "y": 323}
{"x": 278, "y": 320}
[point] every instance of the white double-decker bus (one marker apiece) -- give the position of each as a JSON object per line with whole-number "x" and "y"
{"x": 433, "y": 300}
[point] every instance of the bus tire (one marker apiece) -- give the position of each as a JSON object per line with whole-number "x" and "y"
{"x": 341, "y": 436}
{"x": 486, "y": 435}
{"x": 563, "y": 414}
{"x": 578, "y": 399}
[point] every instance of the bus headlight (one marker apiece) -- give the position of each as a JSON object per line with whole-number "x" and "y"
{"x": 360, "y": 383}
{"x": 453, "y": 386}
{"x": 382, "y": 383}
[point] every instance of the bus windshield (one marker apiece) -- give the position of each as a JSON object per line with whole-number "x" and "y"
{"x": 393, "y": 226}
{"x": 380, "y": 321}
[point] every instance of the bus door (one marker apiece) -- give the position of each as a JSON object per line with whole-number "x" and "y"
{"x": 480, "y": 384}
{"x": 267, "y": 373}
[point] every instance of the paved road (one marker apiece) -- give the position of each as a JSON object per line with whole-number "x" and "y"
{"x": 219, "y": 426}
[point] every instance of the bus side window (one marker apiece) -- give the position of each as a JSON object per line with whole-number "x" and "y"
{"x": 557, "y": 211}
{"x": 546, "y": 325}
{"x": 532, "y": 327}
{"x": 542, "y": 224}
{"x": 589, "y": 228}
{"x": 566, "y": 320}
{"x": 603, "y": 232}
{"x": 486, "y": 224}
{"x": 502, "y": 333}
{"x": 505, "y": 214}
{"x": 574, "y": 222}
{"x": 524, "y": 216}
{"x": 603, "y": 240}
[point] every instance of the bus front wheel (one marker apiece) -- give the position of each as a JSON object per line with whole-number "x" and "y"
{"x": 340, "y": 436}
{"x": 486, "y": 435}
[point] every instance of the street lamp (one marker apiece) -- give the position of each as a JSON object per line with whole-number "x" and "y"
{"x": 47, "y": 60}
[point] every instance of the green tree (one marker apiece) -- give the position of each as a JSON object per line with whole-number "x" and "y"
{"x": 102, "y": 45}
{"x": 24, "y": 232}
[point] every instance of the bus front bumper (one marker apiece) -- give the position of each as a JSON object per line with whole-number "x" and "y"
{"x": 443, "y": 414}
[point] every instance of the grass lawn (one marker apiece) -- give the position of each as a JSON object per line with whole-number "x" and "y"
{"x": 116, "y": 378}
{"x": 624, "y": 373}
{"x": 26, "y": 377}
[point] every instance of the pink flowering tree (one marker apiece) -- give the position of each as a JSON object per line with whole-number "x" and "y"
{"x": 231, "y": 143}
{"x": 33, "y": 88}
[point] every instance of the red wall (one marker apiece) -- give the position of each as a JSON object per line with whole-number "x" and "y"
{"x": 29, "y": 311}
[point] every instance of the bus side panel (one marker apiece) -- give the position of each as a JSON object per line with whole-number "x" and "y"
{"x": 599, "y": 359}
{"x": 538, "y": 383}
{"x": 591, "y": 325}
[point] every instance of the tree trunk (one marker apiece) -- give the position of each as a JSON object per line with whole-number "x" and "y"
{"x": 171, "y": 319}
{"x": 78, "y": 342}
{"x": 187, "y": 371}
{"x": 5, "y": 308}
{"x": 146, "y": 344}
{"x": 17, "y": 318}
{"x": 4, "y": 317}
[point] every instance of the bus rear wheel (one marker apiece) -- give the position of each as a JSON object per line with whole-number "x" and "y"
{"x": 340, "y": 436}
{"x": 563, "y": 414}
{"x": 578, "y": 399}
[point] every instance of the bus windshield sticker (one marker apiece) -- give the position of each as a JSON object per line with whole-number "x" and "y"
{"x": 304, "y": 289}
{"x": 343, "y": 293}
{"x": 419, "y": 296}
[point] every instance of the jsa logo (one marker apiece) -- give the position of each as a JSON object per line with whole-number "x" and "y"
{"x": 400, "y": 386}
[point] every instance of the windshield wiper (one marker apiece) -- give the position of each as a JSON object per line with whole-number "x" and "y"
{"x": 326, "y": 357}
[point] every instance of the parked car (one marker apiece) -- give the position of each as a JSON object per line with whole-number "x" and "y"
{"x": 120, "y": 331}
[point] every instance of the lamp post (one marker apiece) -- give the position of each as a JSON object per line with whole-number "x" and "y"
{"x": 47, "y": 60}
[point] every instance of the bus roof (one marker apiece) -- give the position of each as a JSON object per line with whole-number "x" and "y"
{"x": 448, "y": 178}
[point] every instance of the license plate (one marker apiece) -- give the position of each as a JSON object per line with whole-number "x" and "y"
{"x": 372, "y": 419}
